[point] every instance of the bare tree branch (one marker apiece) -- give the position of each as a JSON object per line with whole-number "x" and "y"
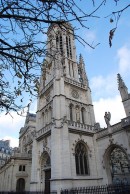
{"x": 23, "y": 24}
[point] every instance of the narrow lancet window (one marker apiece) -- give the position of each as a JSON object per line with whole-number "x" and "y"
{"x": 61, "y": 45}
{"x": 67, "y": 46}
{"x": 70, "y": 51}
{"x": 57, "y": 41}
{"x": 83, "y": 115}
{"x": 71, "y": 112}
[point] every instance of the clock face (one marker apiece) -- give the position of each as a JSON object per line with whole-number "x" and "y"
{"x": 75, "y": 94}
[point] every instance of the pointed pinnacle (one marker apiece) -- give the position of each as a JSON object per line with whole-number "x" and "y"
{"x": 81, "y": 59}
{"x": 120, "y": 81}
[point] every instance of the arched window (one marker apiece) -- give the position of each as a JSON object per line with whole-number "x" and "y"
{"x": 20, "y": 186}
{"x": 43, "y": 119}
{"x": 72, "y": 69}
{"x": 83, "y": 115}
{"x": 71, "y": 112}
{"x": 50, "y": 114}
{"x": 61, "y": 45}
{"x": 69, "y": 69}
{"x": 68, "y": 47}
{"x": 20, "y": 168}
{"x": 81, "y": 159}
{"x": 46, "y": 117}
{"x": 77, "y": 114}
{"x": 57, "y": 42}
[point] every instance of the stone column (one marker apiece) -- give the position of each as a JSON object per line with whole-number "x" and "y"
{"x": 35, "y": 162}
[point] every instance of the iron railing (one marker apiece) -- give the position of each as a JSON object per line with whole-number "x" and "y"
{"x": 26, "y": 192}
{"x": 105, "y": 189}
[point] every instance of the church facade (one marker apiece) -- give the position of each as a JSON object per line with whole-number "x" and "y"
{"x": 62, "y": 146}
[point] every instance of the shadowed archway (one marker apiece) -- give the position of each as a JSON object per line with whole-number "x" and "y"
{"x": 20, "y": 185}
{"x": 117, "y": 165}
{"x": 45, "y": 171}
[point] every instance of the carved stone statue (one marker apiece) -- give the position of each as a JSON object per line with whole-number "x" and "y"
{"x": 44, "y": 143}
{"x": 33, "y": 133}
{"x": 107, "y": 118}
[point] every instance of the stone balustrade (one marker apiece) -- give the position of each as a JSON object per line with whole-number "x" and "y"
{"x": 78, "y": 84}
{"x": 80, "y": 126}
{"x": 44, "y": 130}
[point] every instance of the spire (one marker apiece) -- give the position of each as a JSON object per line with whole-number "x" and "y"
{"x": 82, "y": 71}
{"x": 81, "y": 61}
{"x": 122, "y": 87}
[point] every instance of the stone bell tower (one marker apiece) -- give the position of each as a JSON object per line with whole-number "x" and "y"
{"x": 65, "y": 114}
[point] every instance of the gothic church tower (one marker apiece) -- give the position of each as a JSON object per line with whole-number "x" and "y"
{"x": 64, "y": 144}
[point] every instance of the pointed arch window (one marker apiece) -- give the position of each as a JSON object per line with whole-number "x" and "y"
{"x": 77, "y": 109}
{"x": 69, "y": 69}
{"x": 43, "y": 118}
{"x": 22, "y": 168}
{"x": 72, "y": 65}
{"x": 50, "y": 114}
{"x": 83, "y": 115}
{"x": 61, "y": 45}
{"x": 71, "y": 112}
{"x": 67, "y": 46}
{"x": 81, "y": 159}
{"x": 57, "y": 42}
{"x": 70, "y": 48}
{"x": 46, "y": 117}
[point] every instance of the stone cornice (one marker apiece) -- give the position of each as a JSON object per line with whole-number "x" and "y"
{"x": 81, "y": 132}
{"x": 75, "y": 83}
{"x": 79, "y": 102}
